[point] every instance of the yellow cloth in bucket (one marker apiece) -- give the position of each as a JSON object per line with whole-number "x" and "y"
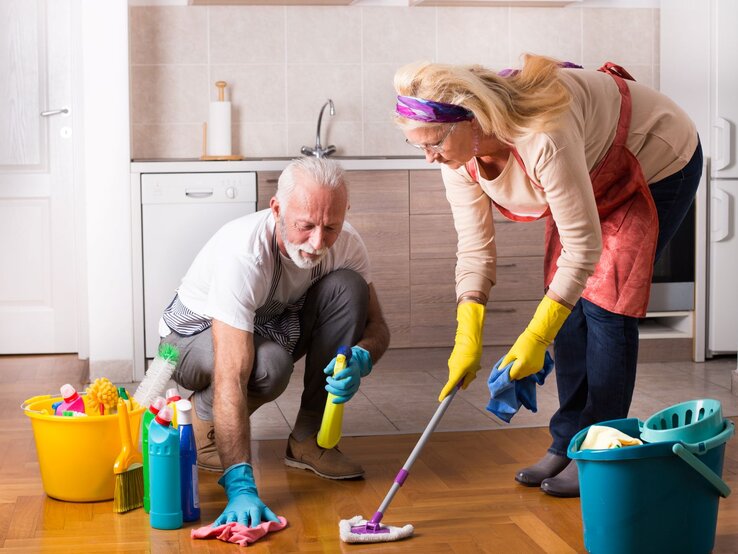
{"x": 601, "y": 437}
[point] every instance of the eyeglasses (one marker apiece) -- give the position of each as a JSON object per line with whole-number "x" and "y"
{"x": 436, "y": 148}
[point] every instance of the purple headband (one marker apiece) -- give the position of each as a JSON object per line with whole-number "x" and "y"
{"x": 429, "y": 111}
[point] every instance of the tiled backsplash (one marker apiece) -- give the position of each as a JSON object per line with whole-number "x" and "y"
{"x": 282, "y": 63}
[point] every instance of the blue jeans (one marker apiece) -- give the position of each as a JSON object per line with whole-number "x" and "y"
{"x": 596, "y": 351}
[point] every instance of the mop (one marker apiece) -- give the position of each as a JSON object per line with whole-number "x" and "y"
{"x": 358, "y": 529}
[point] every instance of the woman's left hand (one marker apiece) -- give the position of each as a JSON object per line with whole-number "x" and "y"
{"x": 529, "y": 351}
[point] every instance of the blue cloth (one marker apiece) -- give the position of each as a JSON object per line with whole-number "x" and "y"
{"x": 507, "y": 396}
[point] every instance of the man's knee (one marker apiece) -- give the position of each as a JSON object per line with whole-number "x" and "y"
{"x": 272, "y": 370}
{"x": 348, "y": 282}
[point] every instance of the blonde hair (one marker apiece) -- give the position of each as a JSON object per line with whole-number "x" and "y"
{"x": 508, "y": 107}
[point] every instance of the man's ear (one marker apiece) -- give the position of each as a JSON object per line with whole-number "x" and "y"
{"x": 275, "y": 207}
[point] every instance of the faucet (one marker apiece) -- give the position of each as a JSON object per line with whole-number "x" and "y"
{"x": 318, "y": 151}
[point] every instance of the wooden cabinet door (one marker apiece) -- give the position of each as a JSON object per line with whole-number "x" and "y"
{"x": 379, "y": 211}
{"x": 433, "y": 241}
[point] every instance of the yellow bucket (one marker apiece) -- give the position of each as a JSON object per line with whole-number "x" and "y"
{"x": 76, "y": 454}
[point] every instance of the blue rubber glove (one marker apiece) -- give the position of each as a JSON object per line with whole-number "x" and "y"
{"x": 346, "y": 383}
{"x": 244, "y": 505}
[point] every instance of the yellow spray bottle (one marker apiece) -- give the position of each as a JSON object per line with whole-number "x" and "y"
{"x": 330, "y": 427}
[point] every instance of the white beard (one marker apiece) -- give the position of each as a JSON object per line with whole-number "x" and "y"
{"x": 293, "y": 250}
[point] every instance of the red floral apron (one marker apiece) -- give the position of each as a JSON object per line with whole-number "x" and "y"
{"x": 621, "y": 282}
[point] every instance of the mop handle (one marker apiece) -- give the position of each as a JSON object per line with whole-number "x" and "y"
{"x": 405, "y": 471}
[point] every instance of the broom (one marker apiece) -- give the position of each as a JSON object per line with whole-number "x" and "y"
{"x": 128, "y": 467}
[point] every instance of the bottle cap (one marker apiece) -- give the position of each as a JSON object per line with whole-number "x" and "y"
{"x": 164, "y": 417}
{"x": 184, "y": 412}
{"x": 157, "y": 405}
{"x": 68, "y": 392}
{"x": 173, "y": 395}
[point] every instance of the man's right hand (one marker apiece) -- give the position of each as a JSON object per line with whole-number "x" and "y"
{"x": 244, "y": 505}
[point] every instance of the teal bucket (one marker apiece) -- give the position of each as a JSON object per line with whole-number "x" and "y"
{"x": 653, "y": 498}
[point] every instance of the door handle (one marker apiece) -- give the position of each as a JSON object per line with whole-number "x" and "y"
{"x": 720, "y": 216}
{"x": 49, "y": 113}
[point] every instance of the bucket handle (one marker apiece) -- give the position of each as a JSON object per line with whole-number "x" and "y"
{"x": 24, "y": 405}
{"x": 702, "y": 469}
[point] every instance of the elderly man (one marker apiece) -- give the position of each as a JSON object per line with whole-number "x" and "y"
{"x": 267, "y": 289}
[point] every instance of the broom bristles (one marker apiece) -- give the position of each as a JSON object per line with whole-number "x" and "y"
{"x": 129, "y": 490}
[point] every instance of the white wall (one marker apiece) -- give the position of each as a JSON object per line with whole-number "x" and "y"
{"x": 104, "y": 165}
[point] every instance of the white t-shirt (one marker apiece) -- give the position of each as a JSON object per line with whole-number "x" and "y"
{"x": 240, "y": 270}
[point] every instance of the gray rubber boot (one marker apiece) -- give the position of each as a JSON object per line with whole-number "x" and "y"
{"x": 565, "y": 484}
{"x": 548, "y": 466}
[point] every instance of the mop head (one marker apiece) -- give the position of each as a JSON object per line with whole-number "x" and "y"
{"x": 356, "y": 530}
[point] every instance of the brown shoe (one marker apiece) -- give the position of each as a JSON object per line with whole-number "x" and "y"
{"x": 331, "y": 464}
{"x": 207, "y": 453}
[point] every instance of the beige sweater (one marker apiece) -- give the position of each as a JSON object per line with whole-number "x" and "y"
{"x": 661, "y": 136}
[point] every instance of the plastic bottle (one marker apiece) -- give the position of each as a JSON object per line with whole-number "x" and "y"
{"x": 72, "y": 401}
{"x": 165, "y": 496}
{"x": 188, "y": 463}
{"x": 173, "y": 397}
{"x": 147, "y": 418}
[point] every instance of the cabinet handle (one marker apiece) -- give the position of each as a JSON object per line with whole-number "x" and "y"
{"x": 722, "y": 139}
{"x": 507, "y": 265}
{"x": 501, "y": 310}
{"x": 720, "y": 208}
{"x": 272, "y": 180}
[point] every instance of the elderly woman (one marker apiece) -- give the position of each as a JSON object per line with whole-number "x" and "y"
{"x": 611, "y": 164}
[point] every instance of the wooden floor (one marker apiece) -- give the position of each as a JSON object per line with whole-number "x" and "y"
{"x": 460, "y": 495}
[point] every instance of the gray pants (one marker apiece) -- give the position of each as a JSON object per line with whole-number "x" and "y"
{"x": 334, "y": 314}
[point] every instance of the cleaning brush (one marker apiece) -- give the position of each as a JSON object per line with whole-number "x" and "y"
{"x": 157, "y": 376}
{"x": 128, "y": 467}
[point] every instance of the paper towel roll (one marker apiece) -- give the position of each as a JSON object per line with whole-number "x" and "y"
{"x": 219, "y": 129}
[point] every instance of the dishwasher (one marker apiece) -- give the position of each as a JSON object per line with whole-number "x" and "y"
{"x": 179, "y": 214}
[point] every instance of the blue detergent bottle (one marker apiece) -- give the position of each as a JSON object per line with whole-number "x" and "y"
{"x": 165, "y": 508}
{"x": 188, "y": 463}
{"x": 148, "y": 417}
{"x": 72, "y": 402}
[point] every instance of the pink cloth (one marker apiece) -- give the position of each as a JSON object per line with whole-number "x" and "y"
{"x": 238, "y": 533}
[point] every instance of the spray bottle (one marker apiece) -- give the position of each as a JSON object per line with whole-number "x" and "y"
{"x": 147, "y": 418}
{"x": 188, "y": 463}
{"x": 72, "y": 401}
{"x": 330, "y": 427}
{"x": 166, "y": 496}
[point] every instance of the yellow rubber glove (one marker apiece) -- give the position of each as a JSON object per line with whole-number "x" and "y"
{"x": 467, "y": 352}
{"x": 529, "y": 350}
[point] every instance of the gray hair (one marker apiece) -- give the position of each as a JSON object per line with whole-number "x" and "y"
{"x": 324, "y": 172}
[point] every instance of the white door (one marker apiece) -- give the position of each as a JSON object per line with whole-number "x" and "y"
{"x": 37, "y": 279}
{"x": 723, "y": 319}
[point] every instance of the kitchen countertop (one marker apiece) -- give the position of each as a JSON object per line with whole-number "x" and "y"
{"x": 350, "y": 163}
